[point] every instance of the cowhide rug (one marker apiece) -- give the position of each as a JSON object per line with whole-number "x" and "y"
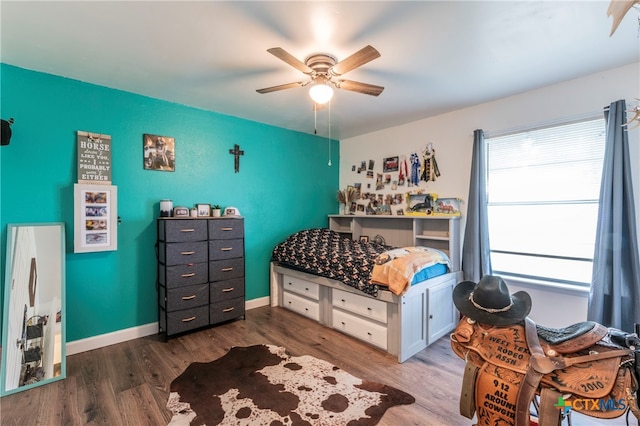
{"x": 263, "y": 385}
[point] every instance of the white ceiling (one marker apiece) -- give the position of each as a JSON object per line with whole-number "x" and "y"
{"x": 437, "y": 56}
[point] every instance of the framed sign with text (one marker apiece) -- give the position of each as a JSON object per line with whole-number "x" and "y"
{"x": 94, "y": 158}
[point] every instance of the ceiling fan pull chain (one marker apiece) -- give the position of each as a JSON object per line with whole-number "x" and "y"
{"x": 315, "y": 118}
{"x": 329, "y": 133}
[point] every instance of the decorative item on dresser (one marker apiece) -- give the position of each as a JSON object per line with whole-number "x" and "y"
{"x": 200, "y": 272}
{"x": 401, "y": 323}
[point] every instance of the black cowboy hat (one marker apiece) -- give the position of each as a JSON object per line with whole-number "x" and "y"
{"x": 489, "y": 301}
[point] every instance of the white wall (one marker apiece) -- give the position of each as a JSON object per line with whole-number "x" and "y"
{"x": 452, "y": 138}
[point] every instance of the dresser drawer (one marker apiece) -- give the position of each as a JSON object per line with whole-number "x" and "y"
{"x": 360, "y": 328}
{"x": 181, "y": 230}
{"x": 190, "y": 319}
{"x": 226, "y": 310}
{"x": 185, "y": 297}
{"x": 183, "y": 275}
{"x": 180, "y": 253}
{"x": 228, "y": 289}
{"x": 303, "y": 306}
{"x": 226, "y": 228}
{"x": 300, "y": 286}
{"x": 220, "y": 270}
{"x": 226, "y": 249}
{"x": 361, "y": 305}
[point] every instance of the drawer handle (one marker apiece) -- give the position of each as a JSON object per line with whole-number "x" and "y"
{"x": 342, "y": 322}
{"x": 290, "y": 283}
{"x": 188, "y": 319}
{"x": 226, "y": 249}
{"x": 369, "y": 309}
{"x": 187, "y": 252}
{"x": 368, "y": 333}
{"x": 306, "y": 289}
{"x": 193, "y": 296}
{"x": 226, "y": 269}
{"x": 226, "y": 229}
{"x": 227, "y": 290}
{"x": 228, "y": 309}
{"x": 306, "y": 309}
{"x": 187, "y": 230}
{"x": 188, "y": 275}
{"x": 343, "y": 300}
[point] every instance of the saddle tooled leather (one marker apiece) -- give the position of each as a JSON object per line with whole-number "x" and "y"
{"x": 575, "y": 361}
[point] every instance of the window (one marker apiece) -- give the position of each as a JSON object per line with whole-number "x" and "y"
{"x": 543, "y": 187}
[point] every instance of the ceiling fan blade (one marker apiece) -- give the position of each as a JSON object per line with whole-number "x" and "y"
{"x": 282, "y": 87}
{"x": 285, "y": 56}
{"x": 356, "y": 86}
{"x": 361, "y": 57}
{"x": 618, "y": 9}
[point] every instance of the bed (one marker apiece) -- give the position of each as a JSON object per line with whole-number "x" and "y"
{"x": 395, "y": 298}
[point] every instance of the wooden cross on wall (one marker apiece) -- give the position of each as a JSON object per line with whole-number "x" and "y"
{"x": 237, "y": 153}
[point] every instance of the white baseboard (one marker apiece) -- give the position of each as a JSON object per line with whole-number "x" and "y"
{"x": 96, "y": 342}
{"x": 256, "y": 303}
{"x": 112, "y": 338}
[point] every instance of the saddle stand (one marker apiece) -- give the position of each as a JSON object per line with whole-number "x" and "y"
{"x": 583, "y": 367}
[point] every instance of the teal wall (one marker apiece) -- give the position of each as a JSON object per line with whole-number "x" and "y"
{"x": 284, "y": 185}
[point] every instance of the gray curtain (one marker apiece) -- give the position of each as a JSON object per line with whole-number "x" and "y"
{"x": 476, "y": 256}
{"x": 614, "y": 299}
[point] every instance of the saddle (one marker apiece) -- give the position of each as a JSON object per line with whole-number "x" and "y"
{"x": 585, "y": 367}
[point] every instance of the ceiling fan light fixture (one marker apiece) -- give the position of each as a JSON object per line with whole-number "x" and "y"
{"x": 321, "y": 93}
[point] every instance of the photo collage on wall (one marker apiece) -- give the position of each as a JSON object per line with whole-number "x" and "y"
{"x": 96, "y": 218}
{"x": 397, "y": 186}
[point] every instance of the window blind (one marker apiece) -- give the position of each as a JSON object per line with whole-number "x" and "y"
{"x": 543, "y": 187}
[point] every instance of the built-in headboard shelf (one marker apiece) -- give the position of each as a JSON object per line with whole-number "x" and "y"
{"x": 439, "y": 232}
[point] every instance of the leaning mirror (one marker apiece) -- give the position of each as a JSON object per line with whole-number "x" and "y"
{"x": 33, "y": 326}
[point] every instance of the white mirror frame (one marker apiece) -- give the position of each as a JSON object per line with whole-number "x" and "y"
{"x": 34, "y": 333}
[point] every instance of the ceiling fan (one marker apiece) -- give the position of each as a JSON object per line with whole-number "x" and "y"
{"x": 322, "y": 68}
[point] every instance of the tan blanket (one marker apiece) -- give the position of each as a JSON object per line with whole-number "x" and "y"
{"x": 396, "y": 268}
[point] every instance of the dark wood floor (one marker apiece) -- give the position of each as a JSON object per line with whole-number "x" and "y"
{"x": 128, "y": 383}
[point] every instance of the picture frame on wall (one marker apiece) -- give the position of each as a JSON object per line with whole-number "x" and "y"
{"x": 390, "y": 164}
{"x": 204, "y": 210}
{"x": 95, "y": 218}
{"x": 159, "y": 153}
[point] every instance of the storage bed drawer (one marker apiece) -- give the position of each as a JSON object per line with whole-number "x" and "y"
{"x": 306, "y": 288}
{"x": 301, "y": 305}
{"x": 361, "y": 305}
{"x": 360, "y": 328}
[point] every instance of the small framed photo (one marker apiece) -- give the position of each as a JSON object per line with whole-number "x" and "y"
{"x": 204, "y": 210}
{"x": 159, "y": 152}
{"x": 364, "y": 238}
{"x": 390, "y": 164}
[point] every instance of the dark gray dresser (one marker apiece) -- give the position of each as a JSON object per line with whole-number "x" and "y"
{"x": 200, "y": 272}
